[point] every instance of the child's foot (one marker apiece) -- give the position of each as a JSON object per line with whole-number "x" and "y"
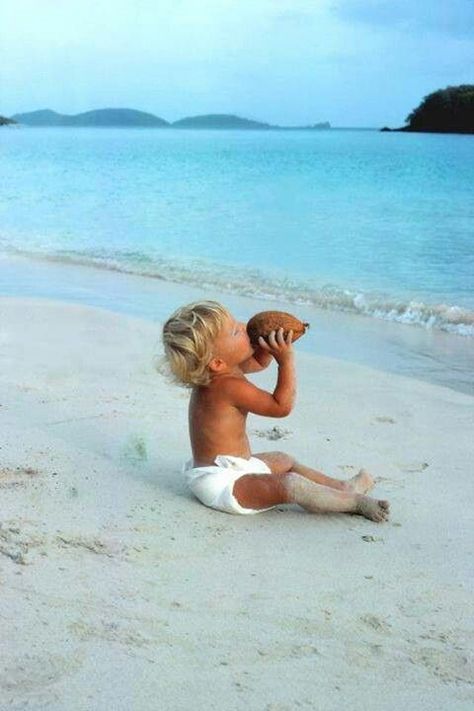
{"x": 373, "y": 509}
{"x": 361, "y": 483}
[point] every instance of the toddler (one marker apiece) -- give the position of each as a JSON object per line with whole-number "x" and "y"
{"x": 209, "y": 351}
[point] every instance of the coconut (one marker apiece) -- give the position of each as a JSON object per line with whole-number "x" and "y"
{"x": 263, "y": 323}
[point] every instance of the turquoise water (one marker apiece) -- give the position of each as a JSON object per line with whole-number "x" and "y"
{"x": 376, "y": 223}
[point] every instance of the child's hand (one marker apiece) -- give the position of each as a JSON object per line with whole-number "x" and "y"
{"x": 279, "y": 347}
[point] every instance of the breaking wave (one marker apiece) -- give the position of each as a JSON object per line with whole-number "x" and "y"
{"x": 255, "y": 283}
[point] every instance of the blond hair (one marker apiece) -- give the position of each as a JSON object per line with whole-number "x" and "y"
{"x": 188, "y": 339}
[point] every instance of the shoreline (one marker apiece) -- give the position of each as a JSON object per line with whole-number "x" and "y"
{"x": 382, "y": 303}
{"x": 117, "y": 584}
{"x": 429, "y": 355}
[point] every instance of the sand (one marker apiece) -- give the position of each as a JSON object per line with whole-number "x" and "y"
{"x": 120, "y": 591}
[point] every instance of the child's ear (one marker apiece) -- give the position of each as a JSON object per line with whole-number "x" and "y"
{"x": 216, "y": 365}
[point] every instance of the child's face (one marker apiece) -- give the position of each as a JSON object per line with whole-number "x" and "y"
{"x": 232, "y": 345}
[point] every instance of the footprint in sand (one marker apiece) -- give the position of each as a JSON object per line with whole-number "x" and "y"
{"x": 11, "y": 477}
{"x": 375, "y": 623}
{"x": 31, "y": 672}
{"x": 109, "y": 632}
{"x": 135, "y": 451}
{"x": 16, "y": 543}
{"x": 13, "y": 549}
{"x": 273, "y": 433}
{"x": 448, "y": 665}
{"x": 92, "y": 544}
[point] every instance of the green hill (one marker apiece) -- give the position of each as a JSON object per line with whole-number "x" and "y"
{"x": 449, "y": 110}
{"x": 219, "y": 121}
{"x": 99, "y": 117}
{"x": 132, "y": 118}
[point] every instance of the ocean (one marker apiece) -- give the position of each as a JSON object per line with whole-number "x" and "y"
{"x": 378, "y": 225}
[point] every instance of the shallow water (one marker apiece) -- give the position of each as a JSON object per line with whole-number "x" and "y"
{"x": 426, "y": 354}
{"x": 373, "y": 223}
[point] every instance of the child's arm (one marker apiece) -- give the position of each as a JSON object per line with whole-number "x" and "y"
{"x": 246, "y": 396}
{"x": 261, "y": 359}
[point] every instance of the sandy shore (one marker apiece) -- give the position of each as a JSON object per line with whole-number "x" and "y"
{"x": 120, "y": 591}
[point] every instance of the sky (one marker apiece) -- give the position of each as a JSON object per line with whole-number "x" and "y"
{"x": 364, "y": 63}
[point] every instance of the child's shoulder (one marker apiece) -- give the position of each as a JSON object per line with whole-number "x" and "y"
{"x": 231, "y": 387}
{"x": 220, "y": 387}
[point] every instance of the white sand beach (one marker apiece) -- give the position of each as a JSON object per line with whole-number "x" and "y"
{"x": 120, "y": 591}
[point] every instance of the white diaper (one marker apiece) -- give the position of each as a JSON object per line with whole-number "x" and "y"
{"x": 213, "y": 485}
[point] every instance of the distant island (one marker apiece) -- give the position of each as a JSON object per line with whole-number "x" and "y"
{"x": 99, "y": 117}
{"x": 6, "y": 121}
{"x": 449, "y": 110}
{"x": 221, "y": 121}
{"x": 140, "y": 119}
{"x": 229, "y": 121}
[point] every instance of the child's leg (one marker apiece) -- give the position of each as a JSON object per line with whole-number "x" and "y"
{"x": 260, "y": 491}
{"x": 280, "y": 463}
{"x": 361, "y": 483}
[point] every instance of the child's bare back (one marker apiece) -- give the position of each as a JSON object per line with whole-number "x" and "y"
{"x": 216, "y": 426}
{"x": 209, "y": 350}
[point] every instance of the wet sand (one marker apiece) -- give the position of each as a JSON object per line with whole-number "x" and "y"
{"x": 425, "y": 354}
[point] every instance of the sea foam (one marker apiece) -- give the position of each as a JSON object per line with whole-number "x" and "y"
{"x": 255, "y": 283}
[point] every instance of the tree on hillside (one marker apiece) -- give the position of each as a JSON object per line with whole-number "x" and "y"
{"x": 449, "y": 110}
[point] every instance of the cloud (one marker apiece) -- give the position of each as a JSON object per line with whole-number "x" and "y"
{"x": 447, "y": 17}
{"x": 356, "y": 62}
